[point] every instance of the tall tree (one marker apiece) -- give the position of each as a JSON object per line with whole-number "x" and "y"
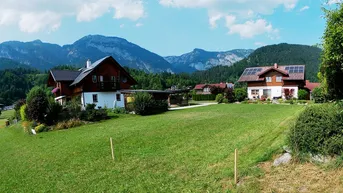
{"x": 331, "y": 71}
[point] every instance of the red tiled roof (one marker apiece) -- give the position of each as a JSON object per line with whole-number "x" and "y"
{"x": 263, "y": 69}
{"x": 311, "y": 85}
{"x": 219, "y": 85}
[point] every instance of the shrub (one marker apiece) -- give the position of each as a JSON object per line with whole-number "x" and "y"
{"x": 280, "y": 100}
{"x": 119, "y": 110}
{"x": 68, "y": 124}
{"x": 219, "y": 98}
{"x": 94, "y": 114}
{"x": 204, "y": 97}
{"x": 90, "y": 107}
{"x": 72, "y": 109}
{"x": 54, "y": 113}
{"x": 240, "y": 94}
{"x": 23, "y": 112}
{"x": 37, "y": 104}
{"x": 41, "y": 128}
{"x": 302, "y": 94}
{"x": 318, "y": 130}
{"x": 318, "y": 95}
{"x": 17, "y": 106}
{"x": 225, "y": 100}
{"x": 144, "y": 104}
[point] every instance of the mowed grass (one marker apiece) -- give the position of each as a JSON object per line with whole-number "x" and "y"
{"x": 181, "y": 151}
{"x": 4, "y": 116}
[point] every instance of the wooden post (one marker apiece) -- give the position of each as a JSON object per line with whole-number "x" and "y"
{"x": 235, "y": 167}
{"x": 112, "y": 148}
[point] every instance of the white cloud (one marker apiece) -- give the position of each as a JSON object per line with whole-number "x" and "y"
{"x": 304, "y": 8}
{"x": 252, "y": 28}
{"x": 330, "y": 2}
{"x": 238, "y": 14}
{"x": 37, "y": 15}
{"x": 139, "y": 24}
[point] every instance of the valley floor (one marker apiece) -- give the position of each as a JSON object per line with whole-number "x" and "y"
{"x": 188, "y": 150}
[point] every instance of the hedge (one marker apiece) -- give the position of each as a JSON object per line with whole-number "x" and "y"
{"x": 203, "y": 97}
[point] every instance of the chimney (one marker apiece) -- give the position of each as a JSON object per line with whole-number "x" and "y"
{"x": 88, "y": 64}
{"x": 275, "y": 65}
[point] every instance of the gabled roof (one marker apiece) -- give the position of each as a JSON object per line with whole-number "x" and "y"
{"x": 86, "y": 71}
{"x": 64, "y": 75}
{"x": 256, "y": 73}
{"x": 201, "y": 86}
{"x": 311, "y": 85}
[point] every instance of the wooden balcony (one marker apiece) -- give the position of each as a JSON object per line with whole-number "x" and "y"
{"x": 108, "y": 86}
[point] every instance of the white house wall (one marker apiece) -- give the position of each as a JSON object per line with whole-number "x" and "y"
{"x": 105, "y": 99}
{"x": 276, "y": 91}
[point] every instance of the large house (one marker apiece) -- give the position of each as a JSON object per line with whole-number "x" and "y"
{"x": 99, "y": 83}
{"x": 206, "y": 88}
{"x": 274, "y": 81}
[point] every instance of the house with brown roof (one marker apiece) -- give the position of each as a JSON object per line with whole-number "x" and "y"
{"x": 101, "y": 83}
{"x": 206, "y": 88}
{"x": 274, "y": 81}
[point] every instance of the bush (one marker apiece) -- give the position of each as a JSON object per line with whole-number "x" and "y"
{"x": 37, "y": 104}
{"x": 41, "y": 128}
{"x": 219, "y": 98}
{"x": 91, "y": 114}
{"x": 240, "y": 94}
{"x": 318, "y": 95}
{"x": 54, "y": 113}
{"x": 302, "y": 94}
{"x": 225, "y": 100}
{"x": 318, "y": 130}
{"x": 144, "y": 104}
{"x": 204, "y": 97}
{"x": 23, "y": 112}
{"x": 68, "y": 124}
{"x": 119, "y": 110}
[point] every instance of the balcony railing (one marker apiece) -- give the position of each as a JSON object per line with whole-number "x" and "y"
{"x": 108, "y": 86}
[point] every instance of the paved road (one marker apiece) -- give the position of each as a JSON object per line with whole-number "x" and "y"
{"x": 192, "y": 106}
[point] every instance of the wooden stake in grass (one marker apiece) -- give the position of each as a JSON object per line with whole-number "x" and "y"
{"x": 235, "y": 166}
{"x": 112, "y": 148}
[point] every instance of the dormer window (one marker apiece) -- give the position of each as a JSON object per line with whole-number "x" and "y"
{"x": 268, "y": 79}
{"x": 279, "y": 79}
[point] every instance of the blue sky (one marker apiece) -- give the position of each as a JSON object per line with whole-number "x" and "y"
{"x": 167, "y": 27}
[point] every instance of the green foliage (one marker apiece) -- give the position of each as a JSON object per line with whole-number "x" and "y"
{"x": 302, "y": 94}
{"x": 68, "y": 124}
{"x": 240, "y": 94}
{"x": 37, "y": 104}
{"x": 23, "y": 112}
{"x": 53, "y": 113}
{"x": 331, "y": 71}
{"x": 144, "y": 104}
{"x": 318, "y": 95}
{"x": 41, "y": 128}
{"x": 219, "y": 98}
{"x": 120, "y": 110}
{"x": 204, "y": 97}
{"x": 225, "y": 100}
{"x": 318, "y": 130}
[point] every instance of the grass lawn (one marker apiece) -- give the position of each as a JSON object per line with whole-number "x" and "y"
{"x": 180, "y": 151}
{"x": 4, "y": 116}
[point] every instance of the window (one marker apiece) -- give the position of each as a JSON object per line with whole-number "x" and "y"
{"x": 255, "y": 92}
{"x": 101, "y": 78}
{"x": 124, "y": 79}
{"x": 279, "y": 79}
{"x": 94, "y": 78}
{"x": 207, "y": 89}
{"x": 267, "y": 93}
{"x": 118, "y": 97}
{"x": 95, "y": 98}
{"x": 268, "y": 79}
{"x": 113, "y": 78}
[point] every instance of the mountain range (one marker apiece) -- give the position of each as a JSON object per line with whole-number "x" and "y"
{"x": 43, "y": 56}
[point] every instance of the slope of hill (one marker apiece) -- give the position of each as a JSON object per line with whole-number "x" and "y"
{"x": 6, "y": 63}
{"x": 283, "y": 54}
{"x": 45, "y": 56}
{"x": 200, "y": 59}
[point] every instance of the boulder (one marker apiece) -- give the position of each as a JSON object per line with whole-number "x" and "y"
{"x": 284, "y": 159}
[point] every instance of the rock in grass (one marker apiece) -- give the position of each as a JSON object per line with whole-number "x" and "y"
{"x": 284, "y": 159}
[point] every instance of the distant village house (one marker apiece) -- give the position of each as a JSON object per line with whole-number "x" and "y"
{"x": 206, "y": 88}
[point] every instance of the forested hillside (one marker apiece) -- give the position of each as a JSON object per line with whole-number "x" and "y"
{"x": 283, "y": 54}
{"x": 6, "y": 63}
